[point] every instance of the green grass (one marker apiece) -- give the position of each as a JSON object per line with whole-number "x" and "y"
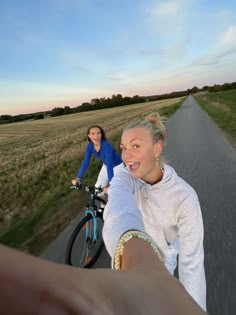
{"x": 221, "y": 107}
{"x": 26, "y": 232}
{"x": 46, "y": 212}
{"x": 168, "y": 111}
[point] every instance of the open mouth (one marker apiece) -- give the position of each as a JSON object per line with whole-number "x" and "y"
{"x": 133, "y": 166}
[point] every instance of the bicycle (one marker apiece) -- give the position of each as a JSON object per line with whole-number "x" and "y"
{"x": 86, "y": 243}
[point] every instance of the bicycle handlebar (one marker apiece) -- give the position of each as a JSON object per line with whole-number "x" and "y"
{"x": 91, "y": 189}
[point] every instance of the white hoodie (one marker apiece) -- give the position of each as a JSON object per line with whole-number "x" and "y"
{"x": 170, "y": 213}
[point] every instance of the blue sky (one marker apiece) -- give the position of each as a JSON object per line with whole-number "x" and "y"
{"x": 55, "y": 53}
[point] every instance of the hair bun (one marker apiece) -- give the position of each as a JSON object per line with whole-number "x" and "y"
{"x": 153, "y": 118}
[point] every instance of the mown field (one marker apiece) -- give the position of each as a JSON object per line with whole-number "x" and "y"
{"x": 38, "y": 160}
{"x": 221, "y": 106}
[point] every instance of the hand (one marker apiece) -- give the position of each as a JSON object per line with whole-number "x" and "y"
{"x": 105, "y": 189}
{"x": 75, "y": 181}
{"x": 33, "y": 285}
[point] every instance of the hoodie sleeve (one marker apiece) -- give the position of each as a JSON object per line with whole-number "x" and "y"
{"x": 191, "y": 253}
{"x": 85, "y": 163}
{"x": 121, "y": 212}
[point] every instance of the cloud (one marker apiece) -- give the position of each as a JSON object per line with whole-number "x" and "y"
{"x": 169, "y": 20}
{"x": 166, "y": 9}
{"x": 224, "y": 47}
{"x": 228, "y": 38}
{"x": 208, "y": 60}
{"x": 169, "y": 9}
{"x": 224, "y": 16}
{"x": 115, "y": 76}
{"x": 75, "y": 60}
{"x": 174, "y": 49}
{"x": 213, "y": 59}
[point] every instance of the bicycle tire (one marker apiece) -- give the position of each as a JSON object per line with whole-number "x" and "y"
{"x": 78, "y": 244}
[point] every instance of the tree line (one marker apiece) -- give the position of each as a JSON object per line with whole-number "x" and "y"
{"x": 114, "y": 101}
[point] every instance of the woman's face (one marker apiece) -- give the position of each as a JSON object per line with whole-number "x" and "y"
{"x": 140, "y": 154}
{"x": 95, "y": 135}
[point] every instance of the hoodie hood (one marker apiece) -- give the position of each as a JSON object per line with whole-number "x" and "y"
{"x": 169, "y": 177}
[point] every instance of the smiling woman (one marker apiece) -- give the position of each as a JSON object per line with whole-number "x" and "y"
{"x": 103, "y": 150}
{"x": 149, "y": 197}
{"x": 138, "y": 150}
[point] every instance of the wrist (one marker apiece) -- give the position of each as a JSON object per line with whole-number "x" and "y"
{"x": 138, "y": 254}
{"x": 136, "y": 249}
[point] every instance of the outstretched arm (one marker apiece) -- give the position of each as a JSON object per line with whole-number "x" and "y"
{"x": 31, "y": 285}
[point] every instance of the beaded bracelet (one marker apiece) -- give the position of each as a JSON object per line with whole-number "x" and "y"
{"x": 128, "y": 235}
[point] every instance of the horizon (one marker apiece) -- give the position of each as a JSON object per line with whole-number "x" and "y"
{"x": 62, "y": 106}
{"x": 59, "y": 53}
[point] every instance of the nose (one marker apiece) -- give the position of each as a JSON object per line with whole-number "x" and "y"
{"x": 126, "y": 155}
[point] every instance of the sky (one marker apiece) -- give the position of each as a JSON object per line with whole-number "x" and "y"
{"x": 56, "y": 53}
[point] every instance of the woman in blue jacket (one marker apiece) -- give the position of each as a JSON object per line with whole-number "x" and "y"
{"x": 102, "y": 149}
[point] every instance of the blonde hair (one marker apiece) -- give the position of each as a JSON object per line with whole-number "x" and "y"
{"x": 154, "y": 124}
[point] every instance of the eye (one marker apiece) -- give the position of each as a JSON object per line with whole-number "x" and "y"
{"x": 122, "y": 148}
{"x": 135, "y": 146}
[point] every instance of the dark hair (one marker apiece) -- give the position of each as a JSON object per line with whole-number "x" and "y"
{"x": 101, "y": 129}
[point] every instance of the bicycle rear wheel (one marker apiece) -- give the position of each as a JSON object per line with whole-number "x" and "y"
{"x": 81, "y": 251}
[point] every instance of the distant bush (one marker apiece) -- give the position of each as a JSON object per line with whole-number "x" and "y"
{"x": 39, "y": 116}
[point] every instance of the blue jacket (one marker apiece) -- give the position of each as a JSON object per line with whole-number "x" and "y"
{"x": 107, "y": 154}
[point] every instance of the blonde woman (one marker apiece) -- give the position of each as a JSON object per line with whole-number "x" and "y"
{"x": 149, "y": 197}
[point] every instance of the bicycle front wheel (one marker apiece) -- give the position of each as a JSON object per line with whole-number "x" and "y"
{"x": 82, "y": 249}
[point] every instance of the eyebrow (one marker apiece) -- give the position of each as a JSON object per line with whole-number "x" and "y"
{"x": 134, "y": 140}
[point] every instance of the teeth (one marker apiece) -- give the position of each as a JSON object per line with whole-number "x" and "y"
{"x": 133, "y": 165}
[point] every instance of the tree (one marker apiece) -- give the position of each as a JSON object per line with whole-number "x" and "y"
{"x": 38, "y": 116}
{"x": 57, "y": 111}
{"x": 195, "y": 89}
{"x": 67, "y": 110}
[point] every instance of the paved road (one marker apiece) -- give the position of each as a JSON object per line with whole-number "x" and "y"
{"x": 201, "y": 155}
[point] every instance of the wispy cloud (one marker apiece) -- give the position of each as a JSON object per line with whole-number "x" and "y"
{"x": 174, "y": 50}
{"x": 224, "y": 16}
{"x": 168, "y": 21}
{"x": 222, "y": 46}
{"x": 115, "y": 76}
{"x": 84, "y": 48}
{"x": 228, "y": 38}
{"x": 166, "y": 9}
{"x": 169, "y": 10}
{"x": 74, "y": 60}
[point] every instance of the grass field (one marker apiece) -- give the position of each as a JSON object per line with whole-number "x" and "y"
{"x": 221, "y": 106}
{"x": 39, "y": 159}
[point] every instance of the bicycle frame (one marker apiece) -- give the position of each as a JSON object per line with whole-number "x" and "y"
{"x": 94, "y": 225}
{"x": 93, "y": 213}
{"x": 90, "y": 240}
